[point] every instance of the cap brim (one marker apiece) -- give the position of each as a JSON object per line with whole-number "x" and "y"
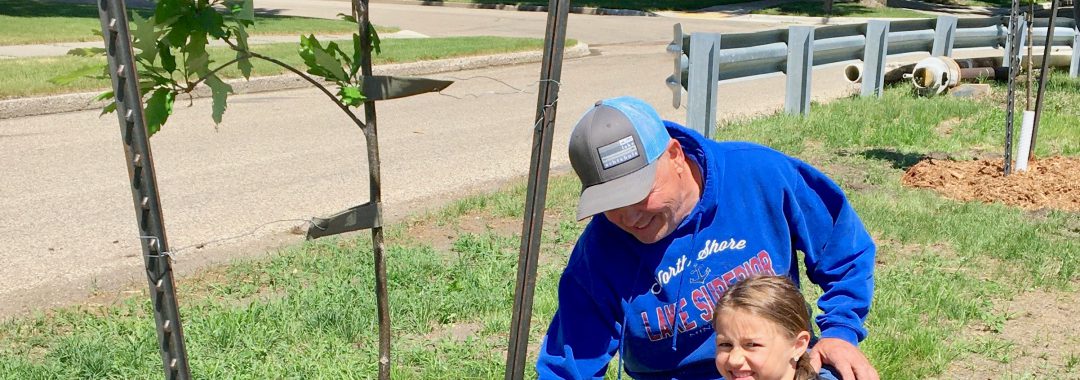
{"x": 619, "y": 192}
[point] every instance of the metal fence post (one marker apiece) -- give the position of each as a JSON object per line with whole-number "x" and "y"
{"x": 1009, "y": 40}
{"x": 1022, "y": 41}
{"x": 877, "y": 48}
{"x": 800, "y": 65}
{"x": 702, "y": 83}
{"x": 532, "y": 226}
{"x": 1074, "y": 64}
{"x": 944, "y": 34}
{"x": 144, "y": 190}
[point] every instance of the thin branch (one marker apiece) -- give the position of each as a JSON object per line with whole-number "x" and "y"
{"x": 306, "y": 77}
{"x": 191, "y": 85}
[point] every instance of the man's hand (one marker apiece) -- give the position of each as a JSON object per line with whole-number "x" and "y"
{"x": 845, "y": 357}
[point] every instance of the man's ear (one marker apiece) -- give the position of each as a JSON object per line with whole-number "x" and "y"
{"x": 674, "y": 150}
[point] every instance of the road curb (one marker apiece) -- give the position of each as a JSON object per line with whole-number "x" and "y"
{"x": 45, "y": 105}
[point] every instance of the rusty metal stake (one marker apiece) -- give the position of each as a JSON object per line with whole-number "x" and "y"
{"x": 144, "y": 193}
{"x": 536, "y": 194}
{"x": 1043, "y": 73}
{"x": 370, "y": 134}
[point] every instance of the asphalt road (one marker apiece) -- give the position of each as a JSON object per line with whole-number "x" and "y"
{"x": 67, "y": 226}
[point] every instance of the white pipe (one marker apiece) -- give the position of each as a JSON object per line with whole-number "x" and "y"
{"x": 853, "y": 72}
{"x": 1025, "y": 141}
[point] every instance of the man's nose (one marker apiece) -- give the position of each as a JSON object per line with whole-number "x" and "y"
{"x": 629, "y": 214}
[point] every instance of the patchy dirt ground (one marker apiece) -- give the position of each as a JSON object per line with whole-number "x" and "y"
{"x": 1049, "y": 183}
{"x": 1037, "y": 338}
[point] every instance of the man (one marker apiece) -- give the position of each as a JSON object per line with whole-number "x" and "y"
{"x": 678, "y": 218}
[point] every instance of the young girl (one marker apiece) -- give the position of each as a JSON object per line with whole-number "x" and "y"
{"x": 761, "y": 331}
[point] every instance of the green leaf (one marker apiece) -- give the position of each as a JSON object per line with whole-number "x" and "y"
{"x": 85, "y": 71}
{"x": 211, "y": 21}
{"x": 168, "y": 61}
{"x": 319, "y": 61}
{"x": 109, "y": 108}
{"x": 357, "y": 54}
{"x": 351, "y": 95}
{"x": 179, "y": 31}
{"x": 242, "y": 37}
{"x": 306, "y": 51}
{"x": 158, "y": 108}
{"x": 247, "y": 11}
{"x": 336, "y": 52}
{"x": 145, "y": 37}
{"x": 87, "y": 52}
{"x": 374, "y": 38}
{"x": 167, "y": 9}
{"x": 104, "y": 95}
{"x": 146, "y": 85}
{"x": 220, "y": 91}
{"x": 349, "y": 18}
{"x": 243, "y": 63}
{"x": 198, "y": 60}
{"x": 330, "y": 65}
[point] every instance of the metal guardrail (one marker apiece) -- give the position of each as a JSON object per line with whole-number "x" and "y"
{"x": 704, "y": 59}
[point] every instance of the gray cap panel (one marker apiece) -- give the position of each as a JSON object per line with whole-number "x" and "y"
{"x": 604, "y": 146}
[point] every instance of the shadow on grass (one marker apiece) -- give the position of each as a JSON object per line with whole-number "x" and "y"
{"x": 899, "y": 160}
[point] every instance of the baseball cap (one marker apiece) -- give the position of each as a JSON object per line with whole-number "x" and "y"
{"x": 614, "y": 149}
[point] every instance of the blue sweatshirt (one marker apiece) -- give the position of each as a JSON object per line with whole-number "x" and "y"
{"x": 652, "y": 303}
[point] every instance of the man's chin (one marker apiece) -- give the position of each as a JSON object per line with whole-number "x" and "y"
{"x": 649, "y": 237}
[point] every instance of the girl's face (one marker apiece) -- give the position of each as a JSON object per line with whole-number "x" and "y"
{"x": 752, "y": 347}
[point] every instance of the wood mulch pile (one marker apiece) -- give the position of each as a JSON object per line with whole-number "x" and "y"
{"x": 1052, "y": 182}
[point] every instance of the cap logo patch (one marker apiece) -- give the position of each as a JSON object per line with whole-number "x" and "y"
{"x": 618, "y": 152}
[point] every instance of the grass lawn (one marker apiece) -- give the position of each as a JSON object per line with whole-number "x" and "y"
{"x": 25, "y": 22}
{"x": 29, "y": 76}
{"x": 815, "y": 9}
{"x": 944, "y": 268}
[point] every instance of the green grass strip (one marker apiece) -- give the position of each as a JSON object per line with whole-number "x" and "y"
{"x": 30, "y": 76}
{"x": 25, "y": 22}
{"x": 815, "y": 9}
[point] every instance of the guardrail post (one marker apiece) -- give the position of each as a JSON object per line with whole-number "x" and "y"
{"x": 800, "y": 65}
{"x": 682, "y": 64}
{"x": 1074, "y": 64}
{"x": 944, "y": 35}
{"x": 1023, "y": 41}
{"x": 1009, "y": 40}
{"x": 877, "y": 48}
{"x": 701, "y": 85}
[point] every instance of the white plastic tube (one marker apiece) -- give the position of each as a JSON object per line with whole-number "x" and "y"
{"x": 1025, "y": 141}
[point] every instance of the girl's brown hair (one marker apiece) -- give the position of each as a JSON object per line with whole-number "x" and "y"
{"x": 774, "y": 298}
